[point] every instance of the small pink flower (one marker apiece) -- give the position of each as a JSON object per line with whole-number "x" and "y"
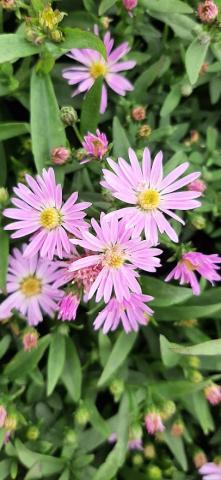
{"x": 131, "y": 312}
{"x": 197, "y": 186}
{"x": 138, "y": 113}
{"x": 95, "y": 145}
{"x": 150, "y": 196}
{"x": 154, "y": 423}
{"x": 213, "y": 394}
{"x": 30, "y": 340}
{"x": 3, "y": 415}
{"x": 120, "y": 253}
{"x": 31, "y": 287}
{"x": 60, "y": 155}
{"x": 191, "y": 262}
{"x": 67, "y": 308}
{"x": 210, "y": 471}
{"x": 40, "y": 212}
{"x": 93, "y": 65}
{"x": 129, "y": 4}
{"x": 207, "y": 11}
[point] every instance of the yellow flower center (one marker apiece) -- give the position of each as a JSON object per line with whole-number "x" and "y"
{"x": 148, "y": 199}
{"x": 190, "y": 266}
{"x": 98, "y": 69}
{"x": 30, "y": 286}
{"x": 50, "y": 218}
{"x": 113, "y": 257}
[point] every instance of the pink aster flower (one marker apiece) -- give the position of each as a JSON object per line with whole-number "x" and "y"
{"x": 40, "y": 211}
{"x": 210, "y": 471}
{"x": 153, "y": 423}
{"x": 95, "y": 145}
{"x": 31, "y": 289}
{"x": 152, "y": 197}
{"x": 213, "y": 393}
{"x": 207, "y": 11}
{"x": 191, "y": 262}
{"x": 131, "y": 312}
{"x": 93, "y": 65}
{"x": 67, "y": 307}
{"x": 129, "y": 4}
{"x": 119, "y": 255}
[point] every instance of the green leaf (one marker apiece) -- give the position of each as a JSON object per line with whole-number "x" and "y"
{"x": 47, "y": 129}
{"x": 40, "y": 466}
{"x": 164, "y": 294}
{"x": 145, "y": 80}
{"x": 4, "y": 249}
{"x": 120, "y": 140}
{"x": 210, "y": 348}
{"x": 121, "y": 349}
{"x": 76, "y": 38}
{"x": 4, "y": 344}
{"x": 14, "y": 46}
{"x": 24, "y": 362}
{"x": 13, "y": 129}
{"x": 105, "y": 5}
{"x": 170, "y": 359}
{"x": 194, "y": 58}
{"x": 183, "y": 312}
{"x": 199, "y": 407}
{"x": 97, "y": 420}
{"x": 211, "y": 138}
{"x": 72, "y": 373}
{"x": 171, "y": 101}
{"x": 5, "y": 469}
{"x": 167, "y": 6}
{"x": 177, "y": 448}
{"x": 56, "y": 359}
{"x": 3, "y": 169}
{"x": 91, "y": 108}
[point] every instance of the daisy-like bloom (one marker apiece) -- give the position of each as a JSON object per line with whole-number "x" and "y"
{"x": 93, "y": 65}
{"x": 30, "y": 284}
{"x": 151, "y": 196}
{"x": 153, "y": 422}
{"x": 210, "y": 471}
{"x": 207, "y": 11}
{"x": 191, "y": 262}
{"x": 131, "y": 313}
{"x": 213, "y": 394}
{"x": 67, "y": 307}
{"x": 119, "y": 254}
{"x": 95, "y": 145}
{"x": 41, "y": 211}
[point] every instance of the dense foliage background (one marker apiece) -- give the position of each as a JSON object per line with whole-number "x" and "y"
{"x": 66, "y": 396}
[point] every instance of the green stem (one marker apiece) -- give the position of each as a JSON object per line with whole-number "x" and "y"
{"x": 77, "y": 133}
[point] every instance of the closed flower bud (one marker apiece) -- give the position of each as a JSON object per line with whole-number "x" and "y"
{"x": 49, "y": 18}
{"x": 117, "y": 388}
{"x": 197, "y": 185}
{"x": 70, "y": 437}
{"x": 30, "y": 339}
{"x": 137, "y": 460}
{"x": 105, "y": 22}
{"x": 3, "y": 195}
{"x": 190, "y": 323}
{"x": 204, "y": 68}
{"x": 3, "y": 415}
{"x": 68, "y": 115}
{"x": 138, "y": 113}
{"x": 177, "y": 429}
{"x": 8, "y": 4}
{"x": 57, "y": 36}
{"x": 144, "y": 131}
{"x": 193, "y": 362}
{"x": 195, "y": 376}
{"x": 199, "y": 458}
{"x": 213, "y": 393}
{"x": 194, "y": 137}
{"x": 168, "y": 410}
{"x": 149, "y": 451}
{"x": 129, "y": 4}
{"x": 82, "y": 416}
{"x": 32, "y": 433}
{"x": 207, "y": 11}
{"x": 199, "y": 222}
{"x": 60, "y": 155}
{"x": 10, "y": 422}
{"x": 154, "y": 472}
{"x": 186, "y": 90}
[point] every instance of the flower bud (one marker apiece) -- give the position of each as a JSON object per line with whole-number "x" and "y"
{"x": 10, "y": 422}
{"x": 70, "y": 437}
{"x": 49, "y": 18}
{"x": 137, "y": 460}
{"x": 30, "y": 339}
{"x": 199, "y": 458}
{"x": 213, "y": 393}
{"x": 129, "y": 4}
{"x": 153, "y": 421}
{"x": 149, "y": 451}
{"x": 204, "y": 68}
{"x": 117, "y": 388}
{"x": 3, "y": 415}
{"x": 144, "y": 131}
{"x": 193, "y": 362}
{"x": 3, "y": 196}
{"x": 198, "y": 222}
{"x": 105, "y": 22}
{"x": 57, "y": 36}
{"x": 195, "y": 376}
{"x": 8, "y": 4}
{"x": 186, "y": 90}
{"x": 32, "y": 433}
{"x": 68, "y": 115}
{"x": 60, "y": 155}
{"x": 168, "y": 410}
{"x": 177, "y": 429}
{"x": 82, "y": 416}
{"x": 207, "y": 11}
{"x": 138, "y": 113}
{"x": 154, "y": 473}
{"x": 197, "y": 185}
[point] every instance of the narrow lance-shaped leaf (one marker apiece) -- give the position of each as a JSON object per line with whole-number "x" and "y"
{"x": 14, "y": 46}
{"x": 24, "y": 362}
{"x": 105, "y": 5}
{"x": 4, "y": 249}
{"x": 72, "y": 374}
{"x": 56, "y": 358}
{"x": 195, "y": 56}
{"x": 121, "y": 142}
{"x": 91, "y": 108}
{"x": 13, "y": 129}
